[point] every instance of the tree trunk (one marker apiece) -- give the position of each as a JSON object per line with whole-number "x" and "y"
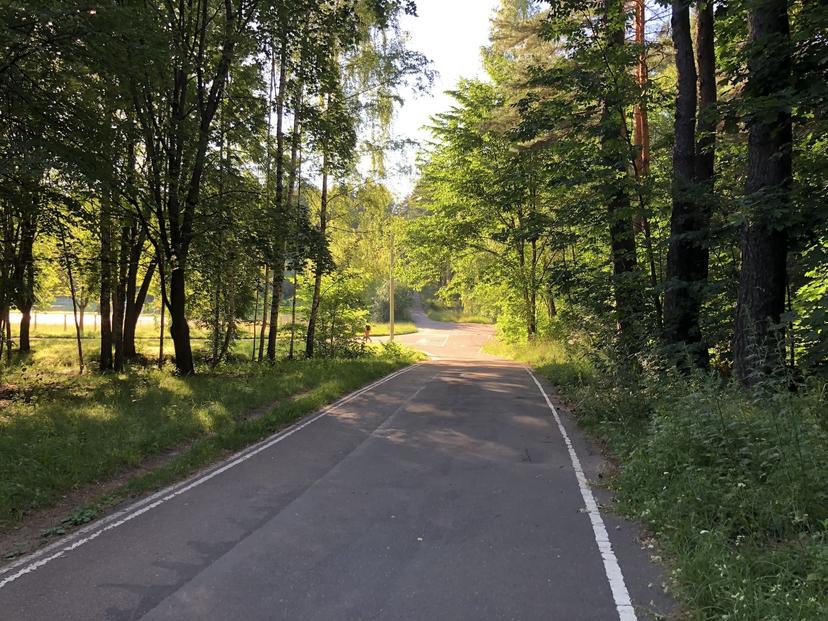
{"x": 119, "y": 299}
{"x": 619, "y": 215}
{"x": 7, "y": 323}
{"x": 706, "y": 122}
{"x": 641, "y": 125}
{"x": 135, "y": 295}
{"x": 280, "y": 209}
{"x": 551, "y": 307}
{"x": 26, "y": 298}
{"x": 134, "y": 308}
{"x": 73, "y": 293}
{"x": 275, "y": 302}
{"x": 231, "y": 329}
{"x": 164, "y": 304}
{"x": 266, "y": 284}
{"x": 707, "y": 113}
{"x": 319, "y": 267}
{"x": 25, "y": 323}
{"x": 179, "y": 329}
{"x": 105, "y": 359}
{"x": 641, "y": 140}
{"x": 758, "y": 342}
{"x": 256, "y": 315}
{"x": 687, "y": 254}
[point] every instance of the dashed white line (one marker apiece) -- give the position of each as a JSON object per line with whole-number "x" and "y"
{"x": 46, "y": 555}
{"x": 620, "y": 595}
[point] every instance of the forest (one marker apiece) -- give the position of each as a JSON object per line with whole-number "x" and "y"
{"x": 635, "y": 194}
{"x": 192, "y": 156}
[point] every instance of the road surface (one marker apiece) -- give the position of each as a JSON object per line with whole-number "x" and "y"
{"x": 450, "y": 490}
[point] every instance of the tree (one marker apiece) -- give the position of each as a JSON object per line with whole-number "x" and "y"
{"x": 758, "y": 341}
{"x": 176, "y": 100}
{"x": 687, "y": 257}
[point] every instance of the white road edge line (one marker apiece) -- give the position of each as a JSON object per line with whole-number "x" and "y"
{"x": 620, "y": 595}
{"x": 51, "y": 552}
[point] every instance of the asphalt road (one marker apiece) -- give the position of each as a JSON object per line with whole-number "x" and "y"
{"x": 447, "y": 491}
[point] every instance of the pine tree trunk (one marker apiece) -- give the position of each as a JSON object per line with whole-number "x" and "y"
{"x": 758, "y": 344}
{"x": 641, "y": 131}
{"x": 641, "y": 140}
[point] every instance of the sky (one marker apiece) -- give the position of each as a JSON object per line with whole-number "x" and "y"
{"x": 450, "y": 33}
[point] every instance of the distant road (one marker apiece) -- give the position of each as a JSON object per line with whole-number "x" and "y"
{"x": 442, "y": 340}
{"x": 449, "y": 490}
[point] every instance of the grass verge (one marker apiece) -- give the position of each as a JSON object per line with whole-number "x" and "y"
{"x": 733, "y": 483}
{"x": 400, "y": 327}
{"x": 452, "y": 315}
{"x": 60, "y": 432}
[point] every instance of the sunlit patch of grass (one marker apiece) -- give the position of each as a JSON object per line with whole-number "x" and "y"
{"x": 453, "y": 315}
{"x": 400, "y": 327}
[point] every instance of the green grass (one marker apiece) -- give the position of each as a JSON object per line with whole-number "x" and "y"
{"x": 60, "y": 431}
{"x": 452, "y": 315}
{"x": 145, "y": 330}
{"x": 400, "y": 327}
{"x": 733, "y": 483}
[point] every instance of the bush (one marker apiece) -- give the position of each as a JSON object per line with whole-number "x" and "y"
{"x": 736, "y": 487}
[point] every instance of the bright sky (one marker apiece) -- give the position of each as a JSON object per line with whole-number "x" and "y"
{"x": 450, "y": 33}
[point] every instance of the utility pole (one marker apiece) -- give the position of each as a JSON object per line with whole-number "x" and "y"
{"x": 391, "y": 293}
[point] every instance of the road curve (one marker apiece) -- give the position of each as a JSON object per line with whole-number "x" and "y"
{"x": 447, "y": 491}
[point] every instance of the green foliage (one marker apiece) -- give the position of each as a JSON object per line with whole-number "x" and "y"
{"x": 735, "y": 488}
{"x": 342, "y": 316}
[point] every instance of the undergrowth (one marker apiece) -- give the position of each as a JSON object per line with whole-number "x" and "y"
{"x": 732, "y": 482}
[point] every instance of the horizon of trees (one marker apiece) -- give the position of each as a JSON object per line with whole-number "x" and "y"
{"x": 169, "y": 149}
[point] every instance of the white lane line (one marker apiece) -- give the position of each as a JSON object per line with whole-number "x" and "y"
{"x": 620, "y": 595}
{"x": 40, "y": 558}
